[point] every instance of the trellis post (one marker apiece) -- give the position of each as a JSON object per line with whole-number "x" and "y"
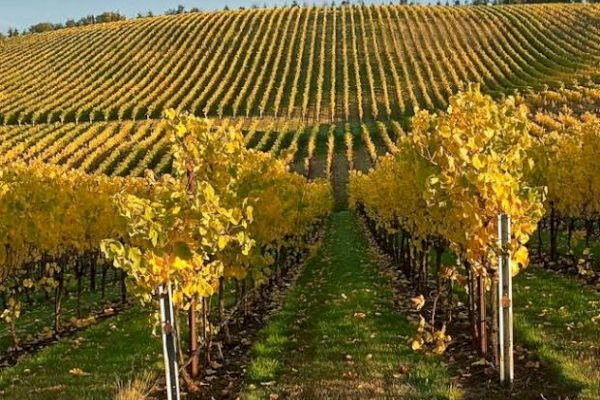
{"x": 168, "y": 326}
{"x": 505, "y": 311}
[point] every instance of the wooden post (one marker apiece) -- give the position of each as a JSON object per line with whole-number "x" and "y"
{"x": 122, "y": 277}
{"x": 193, "y": 338}
{"x": 483, "y": 342}
{"x": 192, "y": 315}
{"x": 168, "y": 325}
{"x": 505, "y": 311}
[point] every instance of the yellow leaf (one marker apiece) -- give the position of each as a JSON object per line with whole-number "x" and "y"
{"x": 180, "y": 264}
{"x": 78, "y": 372}
{"x": 521, "y": 256}
{"x": 209, "y": 192}
{"x": 416, "y": 344}
{"x": 170, "y": 113}
{"x": 223, "y": 240}
{"x": 418, "y": 302}
{"x": 477, "y": 162}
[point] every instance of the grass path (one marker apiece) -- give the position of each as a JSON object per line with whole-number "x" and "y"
{"x": 338, "y": 335}
{"x": 559, "y": 318}
{"x": 113, "y": 350}
{"x": 40, "y": 316}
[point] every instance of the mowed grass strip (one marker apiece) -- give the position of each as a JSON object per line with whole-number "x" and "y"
{"x": 38, "y": 318}
{"x": 87, "y": 365}
{"x": 559, "y": 318}
{"x": 339, "y": 336}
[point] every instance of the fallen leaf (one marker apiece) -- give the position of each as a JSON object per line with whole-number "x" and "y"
{"x": 78, "y": 372}
{"x": 416, "y": 344}
{"x": 418, "y": 302}
{"x": 360, "y": 315}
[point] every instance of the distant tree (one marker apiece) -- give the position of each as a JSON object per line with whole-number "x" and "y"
{"x": 174, "y": 11}
{"x": 196, "y": 9}
{"x": 87, "y": 20}
{"x": 109, "y": 16}
{"x": 41, "y": 27}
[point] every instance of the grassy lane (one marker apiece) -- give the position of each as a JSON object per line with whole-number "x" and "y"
{"x": 559, "y": 318}
{"x": 577, "y": 247}
{"x": 338, "y": 335}
{"x": 39, "y": 317}
{"x": 115, "y": 349}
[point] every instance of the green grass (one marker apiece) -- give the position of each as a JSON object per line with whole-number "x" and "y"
{"x": 338, "y": 335}
{"x": 116, "y": 349}
{"x": 553, "y": 316}
{"x": 577, "y": 246}
{"x": 40, "y": 315}
{"x": 321, "y": 346}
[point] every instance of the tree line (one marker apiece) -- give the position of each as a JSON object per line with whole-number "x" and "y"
{"x": 112, "y": 16}
{"x": 107, "y": 16}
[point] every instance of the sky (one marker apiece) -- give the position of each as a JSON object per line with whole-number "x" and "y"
{"x": 21, "y": 14}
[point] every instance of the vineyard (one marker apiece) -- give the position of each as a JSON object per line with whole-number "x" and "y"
{"x": 128, "y": 148}
{"x": 305, "y": 202}
{"x": 320, "y": 64}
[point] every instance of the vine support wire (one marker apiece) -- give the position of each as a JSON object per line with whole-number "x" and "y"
{"x": 505, "y": 310}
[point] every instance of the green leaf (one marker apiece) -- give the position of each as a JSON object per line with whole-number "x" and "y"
{"x": 153, "y": 234}
{"x": 182, "y": 250}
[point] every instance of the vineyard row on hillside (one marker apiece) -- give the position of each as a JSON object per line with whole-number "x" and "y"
{"x": 129, "y": 148}
{"x": 318, "y": 64}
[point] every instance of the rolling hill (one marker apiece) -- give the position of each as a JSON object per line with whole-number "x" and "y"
{"x": 314, "y": 64}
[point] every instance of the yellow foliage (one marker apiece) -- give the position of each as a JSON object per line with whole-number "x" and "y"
{"x": 453, "y": 175}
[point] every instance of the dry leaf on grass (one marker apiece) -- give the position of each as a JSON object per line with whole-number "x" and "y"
{"x": 78, "y": 372}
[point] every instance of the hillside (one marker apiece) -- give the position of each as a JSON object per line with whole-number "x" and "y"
{"x": 314, "y": 64}
{"x": 376, "y": 202}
